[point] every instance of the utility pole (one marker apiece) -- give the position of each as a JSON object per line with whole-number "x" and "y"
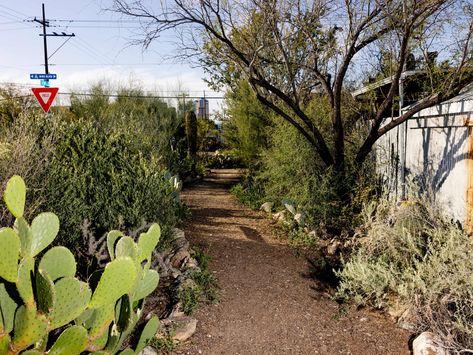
{"x": 45, "y": 24}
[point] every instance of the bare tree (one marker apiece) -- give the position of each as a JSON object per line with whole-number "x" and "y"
{"x": 290, "y": 49}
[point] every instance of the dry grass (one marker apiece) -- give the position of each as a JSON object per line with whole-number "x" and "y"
{"x": 413, "y": 259}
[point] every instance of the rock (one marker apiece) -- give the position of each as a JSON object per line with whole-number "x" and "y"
{"x": 177, "y": 311}
{"x": 267, "y": 207}
{"x": 299, "y": 218}
{"x": 148, "y": 351}
{"x": 427, "y": 343}
{"x": 333, "y": 247}
{"x": 191, "y": 263}
{"x": 178, "y": 233}
{"x": 180, "y": 243}
{"x": 280, "y": 216}
{"x": 187, "y": 284}
{"x": 179, "y": 258}
{"x": 174, "y": 273}
{"x": 181, "y": 328}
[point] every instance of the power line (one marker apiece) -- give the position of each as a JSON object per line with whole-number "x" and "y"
{"x": 162, "y": 97}
{"x": 122, "y": 64}
{"x": 13, "y": 10}
{"x": 143, "y": 96}
{"x": 99, "y": 21}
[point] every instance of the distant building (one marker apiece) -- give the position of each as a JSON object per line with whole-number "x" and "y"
{"x": 202, "y": 108}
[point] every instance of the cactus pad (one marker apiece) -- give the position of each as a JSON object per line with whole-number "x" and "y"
{"x": 72, "y": 297}
{"x": 44, "y": 229}
{"x": 45, "y": 292}
{"x": 24, "y": 231}
{"x": 4, "y": 342}
{"x": 148, "y": 241}
{"x": 123, "y": 311}
{"x": 85, "y": 318}
{"x": 98, "y": 343}
{"x": 146, "y": 285}
{"x": 127, "y": 351}
{"x": 32, "y": 352}
{"x": 100, "y": 320}
{"x": 29, "y": 328}
{"x": 72, "y": 341}
{"x": 58, "y": 262}
{"x": 8, "y": 307}
{"x": 126, "y": 247}
{"x": 118, "y": 278}
{"x": 15, "y": 196}
{"x": 149, "y": 331}
{"x": 23, "y": 284}
{"x": 112, "y": 238}
{"x": 9, "y": 253}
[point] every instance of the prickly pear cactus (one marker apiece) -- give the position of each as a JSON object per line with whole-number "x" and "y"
{"x": 72, "y": 297}
{"x": 148, "y": 242}
{"x": 15, "y": 196}
{"x": 112, "y": 238}
{"x": 58, "y": 262}
{"x": 148, "y": 332}
{"x": 44, "y": 229}
{"x": 117, "y": 280}
{"x": 9, "y": 252}
{"x": 72, "y": 341}
{"x": 41, "y": 297}
{"x": 147, "y": 284}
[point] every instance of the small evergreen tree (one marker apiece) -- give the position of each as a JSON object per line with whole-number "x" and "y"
{"x": 191, "y": 134}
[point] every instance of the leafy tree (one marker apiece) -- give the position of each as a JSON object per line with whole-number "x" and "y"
{"x": 289, "y": 50}
{"x": 245, "y": 129}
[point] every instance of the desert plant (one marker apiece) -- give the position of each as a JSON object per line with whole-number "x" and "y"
{"x": 416, "y": 262}
{"x": 45, "y": 309}
{"x": 105, "y": 179}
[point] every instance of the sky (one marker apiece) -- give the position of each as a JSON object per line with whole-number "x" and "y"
{"x": 100, "y": 51}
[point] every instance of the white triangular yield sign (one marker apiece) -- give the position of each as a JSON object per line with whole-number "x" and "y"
{"x": 45, "y": 96}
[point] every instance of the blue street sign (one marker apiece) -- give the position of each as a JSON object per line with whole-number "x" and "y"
{"x": 43, "y": 76}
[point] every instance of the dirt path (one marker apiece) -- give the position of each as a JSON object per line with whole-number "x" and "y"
{"x": 266, "y": 305}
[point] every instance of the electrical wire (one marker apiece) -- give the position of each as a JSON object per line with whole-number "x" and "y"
{"x": 13, "y": 10}
{"x": 163, "y": 97}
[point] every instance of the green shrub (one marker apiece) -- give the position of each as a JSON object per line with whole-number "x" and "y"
{"x": 290, "y": 170}
{"x": 105, "y": 179}
{"x": 414, "y": 259}
{"x": 249, "y": 192}
{"x": 46, "y": 309}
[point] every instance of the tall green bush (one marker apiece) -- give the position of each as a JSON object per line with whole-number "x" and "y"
{"x": 99, "y": 160}
{"x": 104, "y": 178}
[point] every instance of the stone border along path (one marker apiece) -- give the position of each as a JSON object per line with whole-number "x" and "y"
{"x": 266, "y": 304}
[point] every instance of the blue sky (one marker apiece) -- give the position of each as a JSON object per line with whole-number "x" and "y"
{"x": 100, "y": 51}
